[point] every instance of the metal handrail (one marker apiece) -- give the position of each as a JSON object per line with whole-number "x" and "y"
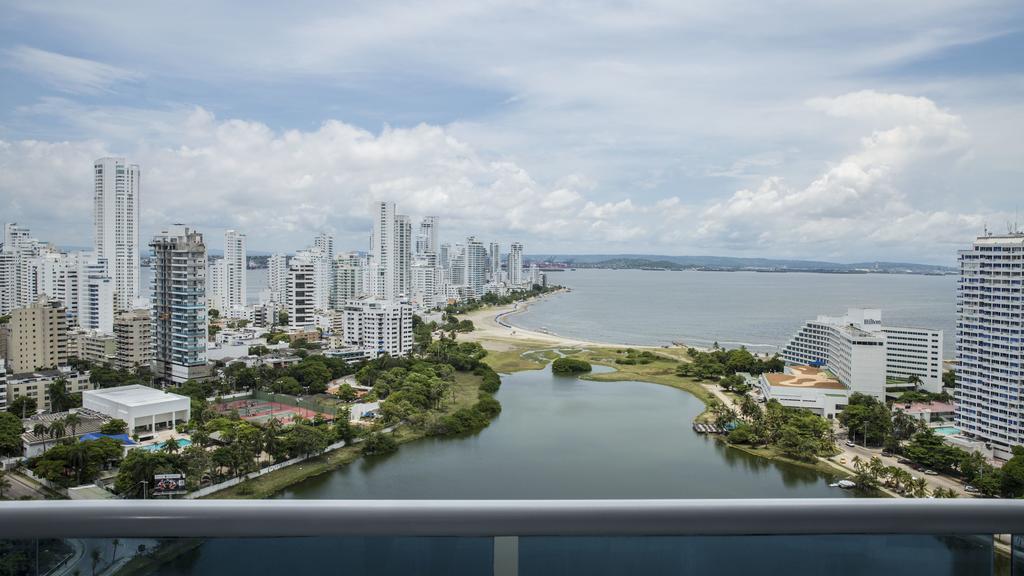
{"x": 297, "y": 518}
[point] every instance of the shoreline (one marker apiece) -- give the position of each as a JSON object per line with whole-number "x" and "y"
{"x": 501, "y": 338}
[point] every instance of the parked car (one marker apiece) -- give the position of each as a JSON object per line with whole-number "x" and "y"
{"x": 970, "y": 489}
{"x": 931, "y": 472}
{"x": 886, "y": 453}
{"x": 850, "y": 443}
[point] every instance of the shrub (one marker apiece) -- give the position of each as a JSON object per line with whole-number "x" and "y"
{"x": 570, "y": 366}
{"x": 377, "y": 443}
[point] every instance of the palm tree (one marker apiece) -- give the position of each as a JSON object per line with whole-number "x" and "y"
{"x": 57, "y": 429}
{"x": 73, "y": 420}
{"x": 113, "y": 556}
{"x": 919, "y": 488}
{"x": 4, "y": 483}
{"x": 95, "y": 554}
{"x": 171, "y": 445}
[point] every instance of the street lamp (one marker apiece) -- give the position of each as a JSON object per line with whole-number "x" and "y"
{"x": 145, "y": 483}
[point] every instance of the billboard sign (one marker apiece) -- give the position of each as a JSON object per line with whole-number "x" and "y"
{"x": 168, "y": 484}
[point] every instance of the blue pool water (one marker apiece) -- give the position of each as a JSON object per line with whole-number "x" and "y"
{"x": 947, "y": 430}
{"x": 182, "y": 442}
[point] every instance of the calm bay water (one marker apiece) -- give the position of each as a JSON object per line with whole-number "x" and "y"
{"x": 758, "y": 310}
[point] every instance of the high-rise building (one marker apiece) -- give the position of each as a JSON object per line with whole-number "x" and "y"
{"x": 426, "y": 241}
{"x": 215, "y": 275}
{"x": 494, "y": 260}
{"x": 18, "y": 286}
{"x": 116, "y": 225}
{"x": 349, "y": 279}
{"x": 390, "y": 252}
{"x": 134, "y": 338}
{"x": 515, "y": 264}
{"x": 324, "y": 242}
{"x": 179, "y": 305}
{"x": 475, "y": 262}
{"x": 95, "y": 309}
{"x": 990, "y": 342}
{"x": 301, "y": 291}
{"x": 277, "y": 277}
{"x": 233, "y": 287}
{"x": 379, "y": 326}
{"x": 444, "y": 254}
{"x": 37, "y": 336}
{"x": 864, "y": 354}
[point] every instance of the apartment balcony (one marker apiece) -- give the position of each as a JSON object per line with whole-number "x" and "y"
{"x": 838, "y": 537}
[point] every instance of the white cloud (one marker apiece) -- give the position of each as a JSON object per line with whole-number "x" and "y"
{"x": 863, "y": 200}
{"x": 66, "y": 73}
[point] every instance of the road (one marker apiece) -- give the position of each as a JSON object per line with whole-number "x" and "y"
{"x": 939, "y": 481}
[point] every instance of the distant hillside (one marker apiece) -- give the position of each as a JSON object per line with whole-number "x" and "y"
{"x": 640, "y": 261}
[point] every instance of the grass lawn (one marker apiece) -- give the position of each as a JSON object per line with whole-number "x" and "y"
{"x": 466, "y": 391}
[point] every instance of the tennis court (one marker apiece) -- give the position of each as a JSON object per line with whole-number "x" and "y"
{"x": 261, "y": 411}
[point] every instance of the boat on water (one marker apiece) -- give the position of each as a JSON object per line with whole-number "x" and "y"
{"x": 844, "y": 484}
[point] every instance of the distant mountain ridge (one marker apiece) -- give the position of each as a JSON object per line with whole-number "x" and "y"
{"x": 641, "y": 261}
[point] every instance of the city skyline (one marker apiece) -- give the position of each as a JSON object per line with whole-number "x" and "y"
{"x": 868, "y": 138}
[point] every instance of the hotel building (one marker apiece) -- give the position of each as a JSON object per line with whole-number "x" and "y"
{"x": 990, "y": 342}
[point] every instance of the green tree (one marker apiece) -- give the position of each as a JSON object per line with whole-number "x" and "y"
{"x": 10, "y": 434}
{"x": 377, "y": 443}
{"x": 949, "y": 379}
{"x": 213, "y": 314}
{"x": 302, "y": 439}
{"x": 115, "y": 426}
{"x": 282, "y": 318}
{"x": 347, "y": 393}
{"x": 60, "y": 400}
{"x": 22, "y": 407}
{"x": 866, "y": 418}
{"x": 566, "y": 366}
{"x": 1012, "y": 481}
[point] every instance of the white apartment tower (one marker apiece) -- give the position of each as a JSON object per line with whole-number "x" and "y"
{"x": 515, "y": 264}
{"x": 116, "y": 225}
{"x": 379, "y": 326}
{"x": 475, "y": 261}
{"x": 277, "y": 277}
{"x": 349, "y": 279}
{"x": 179, "y": 304}
{"x": 426, "y": 241}
{"x": 233, "y": 288}
{"x": 390, "y": 252}
{"x": 990, "y": 342}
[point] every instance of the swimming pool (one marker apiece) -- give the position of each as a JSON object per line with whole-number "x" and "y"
{"x": 947, "y": 430}
{"x": 182, "y": 442}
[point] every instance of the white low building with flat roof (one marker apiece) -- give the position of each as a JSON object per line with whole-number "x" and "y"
{"x": 145, "y": 409}
{"x": 806, "y": 387}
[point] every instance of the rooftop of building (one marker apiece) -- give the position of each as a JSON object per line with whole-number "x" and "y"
{"x": 804, "y": 377}
{"x": 920, "y": 407}
{"x": 63, "y": 372}
{"x": 91, "y": 421}
{"x": 134, "y": 395}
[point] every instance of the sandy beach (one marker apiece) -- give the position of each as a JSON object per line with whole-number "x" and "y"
{"x": 494, "y": 331}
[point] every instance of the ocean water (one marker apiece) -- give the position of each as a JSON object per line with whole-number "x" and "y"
{"x": 758, "y": 310}
{"x": 255, "y": 281}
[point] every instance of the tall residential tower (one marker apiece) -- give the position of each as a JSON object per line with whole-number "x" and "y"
{"x": 179, "y": 304}
{"x": 990, "y": 342}
{"x": 116, "y": 225}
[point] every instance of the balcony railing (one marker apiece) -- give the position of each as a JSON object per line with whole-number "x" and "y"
{"x": 838, "y": 537}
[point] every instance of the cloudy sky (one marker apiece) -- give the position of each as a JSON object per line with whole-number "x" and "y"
{"x": 843, "y": 130}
